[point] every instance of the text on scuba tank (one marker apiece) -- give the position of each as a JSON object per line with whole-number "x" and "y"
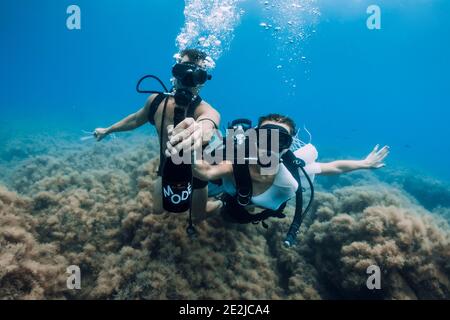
{"x": 176, "y": 198}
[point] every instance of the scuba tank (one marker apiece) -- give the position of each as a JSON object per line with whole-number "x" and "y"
{"x": 176, "y": 178}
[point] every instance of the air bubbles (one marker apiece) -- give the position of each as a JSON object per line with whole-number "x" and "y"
{"x": 265, "y": 26}
{"x": 209, "y": 25}
{"x": 293, "y": 23}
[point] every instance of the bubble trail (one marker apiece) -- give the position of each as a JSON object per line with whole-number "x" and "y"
{"x": 209, "y": 25}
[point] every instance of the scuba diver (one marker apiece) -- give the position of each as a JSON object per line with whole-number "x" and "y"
{"x": 197, "y": 125}
{"x": 252, "y": 195}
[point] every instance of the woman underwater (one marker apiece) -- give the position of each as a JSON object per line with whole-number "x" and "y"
{"x": 271, "y": 189}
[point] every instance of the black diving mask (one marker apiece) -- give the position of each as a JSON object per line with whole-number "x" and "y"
{"x": 190, "y": 74}
{"x": 284, "y": 137}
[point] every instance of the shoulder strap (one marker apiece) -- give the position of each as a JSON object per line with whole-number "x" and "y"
{"x": 191, "y": 109}
{"x": 154, "y": 107}
{"x": 161, "y": 153}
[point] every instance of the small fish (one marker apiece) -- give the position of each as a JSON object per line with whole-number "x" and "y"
{"x": 89, "y": 135}
{"x": 86, "y": 138}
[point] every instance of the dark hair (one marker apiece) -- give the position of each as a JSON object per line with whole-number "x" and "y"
{"x": 194, "y": 55}
{"x": 275, "y": 117}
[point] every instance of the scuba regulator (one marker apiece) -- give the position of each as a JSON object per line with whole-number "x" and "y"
{"x": 189, "y": 75}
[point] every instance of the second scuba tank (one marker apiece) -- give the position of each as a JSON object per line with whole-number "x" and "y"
{"x": 177, "y": 178}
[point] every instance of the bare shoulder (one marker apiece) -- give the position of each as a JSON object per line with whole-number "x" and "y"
{"x": 208, "y": 111}
{"x": 149, "y": 100}
{"x": 158, "y": 110}
{"x": 204, "y": 106}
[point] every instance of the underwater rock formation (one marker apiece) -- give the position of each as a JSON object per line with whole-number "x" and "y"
{"x": 92, "y": 207}
{"x": 360, "y": 226}
{"x": 29, "y": 269}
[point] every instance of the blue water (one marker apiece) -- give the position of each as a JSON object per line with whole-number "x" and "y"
{"x": 356, "y": 88}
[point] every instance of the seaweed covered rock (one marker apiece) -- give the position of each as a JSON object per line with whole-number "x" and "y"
{"x": 28, "y": 269}
{"x": 411, "y": 246}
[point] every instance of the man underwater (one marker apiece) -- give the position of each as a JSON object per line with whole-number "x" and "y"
{"x": 196, "y": 130}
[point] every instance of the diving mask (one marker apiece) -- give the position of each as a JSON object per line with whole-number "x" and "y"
{"x": 190, "y": 74}
{"x": 284, "y": 137}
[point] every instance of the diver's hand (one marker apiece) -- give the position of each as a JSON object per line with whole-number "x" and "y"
{"x": 100, "y": 133}
{"x": 375, "y": 159}
{"x": 186, "y": 136}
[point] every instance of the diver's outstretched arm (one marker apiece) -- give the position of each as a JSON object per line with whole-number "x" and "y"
{"x": 131, "y": 122}
{"x": 373, "y": 161}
